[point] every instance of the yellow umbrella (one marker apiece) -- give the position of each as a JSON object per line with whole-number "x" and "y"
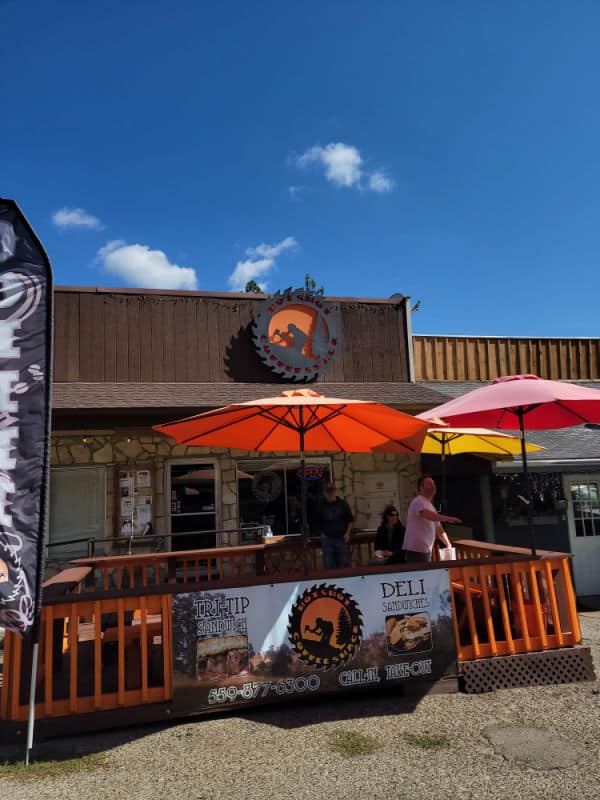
{"x": 452, "y": 441}
{"x": 446, "y": 441}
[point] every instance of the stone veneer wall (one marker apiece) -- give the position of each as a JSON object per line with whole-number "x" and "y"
{"x": 118, "y": 448}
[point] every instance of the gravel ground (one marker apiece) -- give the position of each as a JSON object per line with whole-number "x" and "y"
{"x": 287, "y": 752}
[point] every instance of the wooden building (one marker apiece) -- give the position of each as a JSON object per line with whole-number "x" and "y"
{"x": 126, "y": 359}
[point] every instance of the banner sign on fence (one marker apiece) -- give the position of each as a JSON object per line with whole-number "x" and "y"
{"x": 260, "y": 644}
{"x": 25, "y": 362}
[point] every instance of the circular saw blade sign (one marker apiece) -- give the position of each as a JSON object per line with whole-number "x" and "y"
{"x": 297, "y": 334}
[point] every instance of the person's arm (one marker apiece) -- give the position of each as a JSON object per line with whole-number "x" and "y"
{"x": 442, "y": 536}
{"x": 433, "y": 516}
{"x": 348, "y": 531}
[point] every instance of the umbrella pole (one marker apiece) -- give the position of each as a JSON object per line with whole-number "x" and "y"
{"x": 304, "y": 509}
{"x": 526, "y": 492}
{"x": 443, "y": 506}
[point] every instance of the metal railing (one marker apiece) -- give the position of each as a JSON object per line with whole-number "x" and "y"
{"x": 157, "y": 542}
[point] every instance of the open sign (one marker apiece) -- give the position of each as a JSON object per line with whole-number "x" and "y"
{"x": 311, "y": 473}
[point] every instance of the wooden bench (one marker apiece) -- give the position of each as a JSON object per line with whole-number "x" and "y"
{"x": 66, "y": 581}
{"x": 476, "y": 597}
{"x": 132, "y": 632}
{"x": 133, "y": 651}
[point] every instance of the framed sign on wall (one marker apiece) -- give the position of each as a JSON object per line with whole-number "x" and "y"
{"x": 134, "y": 500}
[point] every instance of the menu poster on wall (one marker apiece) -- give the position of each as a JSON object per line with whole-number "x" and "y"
{"x": 126, "y": 506}
{"x": 142, "y": 479}
{"x": 134, "y": 502}
{"x": 143, "y": 511}
{"x": 125, "y": 484}
{"x": 262, "y": 644}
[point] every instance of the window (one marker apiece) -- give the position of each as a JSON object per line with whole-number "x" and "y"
{"x": 77, "y": 510}
{"x": 545, "y": 491}
{"x": 586, "y": 508}
{"x": 269, "y": 492}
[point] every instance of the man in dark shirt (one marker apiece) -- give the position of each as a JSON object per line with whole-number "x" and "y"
{"x": 333, "y": 521}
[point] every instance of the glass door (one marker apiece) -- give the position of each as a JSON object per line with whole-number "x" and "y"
{"x": 193, "y": 516}
{"x": 583, "y": 493}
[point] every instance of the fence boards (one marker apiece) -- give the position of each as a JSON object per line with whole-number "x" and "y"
{"x": 482, "y": 358}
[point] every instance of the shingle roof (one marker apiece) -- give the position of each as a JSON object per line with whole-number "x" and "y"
{"x": 564, "y": 445}
{"x": 213, "y": 395}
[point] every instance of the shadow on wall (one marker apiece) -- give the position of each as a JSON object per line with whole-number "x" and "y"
{"x": 243, "y": 364}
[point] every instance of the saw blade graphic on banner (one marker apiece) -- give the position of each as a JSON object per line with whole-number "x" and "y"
{"x": 25, "y": 359}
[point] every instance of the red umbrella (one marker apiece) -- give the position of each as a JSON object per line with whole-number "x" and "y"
{"x": 520, "y": 402}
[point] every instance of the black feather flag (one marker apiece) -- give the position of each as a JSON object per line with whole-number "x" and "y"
{"x": 25, "y": 392}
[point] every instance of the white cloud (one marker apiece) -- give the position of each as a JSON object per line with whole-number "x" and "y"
{"x": 294, "y": 191}
{"x": 76, "y": 218}
{"x": 140, "y": 266}
{"x": 261, "y": 261}
{"x": 249, "y": 271}
{"x": 379, "y": 182}
{"x": 343, "y": 166}
{"x": 271, "y": 250}
{"x": 341, "y": 161}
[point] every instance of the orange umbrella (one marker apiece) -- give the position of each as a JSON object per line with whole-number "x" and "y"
{"x": 302, "y": 419}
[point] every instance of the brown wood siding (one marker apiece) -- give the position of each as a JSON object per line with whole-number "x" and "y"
{"x": 482, "y": 358}
{"x": 103, "y": 336}
{"x": 61, "y": 362}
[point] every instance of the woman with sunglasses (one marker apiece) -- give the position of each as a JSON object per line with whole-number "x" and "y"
{"x": 390, "y": 537}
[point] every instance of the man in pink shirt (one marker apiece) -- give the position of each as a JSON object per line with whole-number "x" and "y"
{"x": 424, "y": 524}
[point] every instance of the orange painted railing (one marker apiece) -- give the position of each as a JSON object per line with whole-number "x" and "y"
{"x": 113, "y": 573}
{"x": 106, "y": 639}
{"x": 518, "y": 606}
{"x": 94, "y": 656}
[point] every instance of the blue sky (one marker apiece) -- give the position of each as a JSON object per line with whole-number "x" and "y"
{"x": 447, "y": 151}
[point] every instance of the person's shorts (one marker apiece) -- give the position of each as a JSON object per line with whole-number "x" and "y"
{"x": 414, "y": 557}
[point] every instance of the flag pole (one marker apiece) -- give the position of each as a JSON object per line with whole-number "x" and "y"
{"x": 32, "y": 687}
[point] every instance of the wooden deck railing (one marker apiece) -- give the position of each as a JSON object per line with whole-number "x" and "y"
{"x": 513, "y": 606}
{"x": 94, "y": 656}
{"x": 106, "y": 639}
{"x": 212, "y": 565}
